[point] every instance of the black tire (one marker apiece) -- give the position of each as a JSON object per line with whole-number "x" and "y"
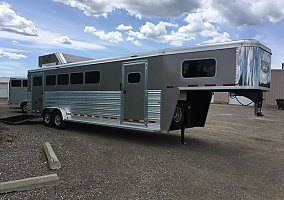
{"x": 24, "y": 107}
{"x": 58, "y": 120}
{"x": 178, "y": 117}
{"x": 47, "y": 119}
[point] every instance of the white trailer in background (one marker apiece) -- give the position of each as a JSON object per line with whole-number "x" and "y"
{"x": 18, "y": 93}
{"x": 4, "y": 85}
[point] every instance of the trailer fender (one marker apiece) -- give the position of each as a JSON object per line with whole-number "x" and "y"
{"x": 169, "y": 98}
{"x": 53, "y": 109}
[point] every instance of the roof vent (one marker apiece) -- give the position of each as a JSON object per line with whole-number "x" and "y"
{"x": 59, "y": 59}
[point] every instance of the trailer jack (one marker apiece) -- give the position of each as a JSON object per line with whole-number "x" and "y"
{"x": 257, "y": 108}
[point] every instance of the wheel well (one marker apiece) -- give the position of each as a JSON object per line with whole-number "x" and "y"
{"x": 56, "y": 110}
{"x": 53, "y": 110}
{"x": 44, "y": 111}
{"x": 23, "y": 103}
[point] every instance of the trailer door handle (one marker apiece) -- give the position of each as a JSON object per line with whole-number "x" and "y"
{"x": 120, "y": 86}
{"x": 124, "y": 91}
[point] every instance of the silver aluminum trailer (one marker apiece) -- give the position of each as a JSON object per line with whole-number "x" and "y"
{"x": 157, "y": 92}
{"x": 18, "y": 93}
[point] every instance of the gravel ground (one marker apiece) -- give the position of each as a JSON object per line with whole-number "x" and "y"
{"x": 237, "y": 156}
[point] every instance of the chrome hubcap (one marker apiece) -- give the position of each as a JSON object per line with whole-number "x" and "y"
{"x": 57, "y": 120}
{"x": 25, "y": 108}
{"x": 47, "y": 118}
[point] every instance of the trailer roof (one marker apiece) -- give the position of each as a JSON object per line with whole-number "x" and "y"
{"x": 167, "y": 51}
{"x": 18, "y": 77}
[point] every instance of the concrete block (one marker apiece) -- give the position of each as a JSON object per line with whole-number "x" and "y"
{"x": 52, "y": 159}
{"x": 28, "y": 183}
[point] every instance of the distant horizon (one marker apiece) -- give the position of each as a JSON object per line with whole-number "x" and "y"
{"x": 100, "y": 29}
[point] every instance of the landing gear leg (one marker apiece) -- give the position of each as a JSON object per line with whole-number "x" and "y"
{"x": 257, "y": 107}
{"x": 182, "y": 135}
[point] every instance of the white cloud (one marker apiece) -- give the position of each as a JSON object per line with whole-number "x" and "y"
{"x": 123, "y": 27}
{"x": 161, "y": 8}
{"x": 151, "y": 30}
{"x": 63, "y": 40}
{"x": 237, "y": 13}
{"x": 242, "y": 13}
{"x": 135, "y": 42}
{"x": 113, "y": 37}
{"x": 46, "y": 40}
{"x": 11, "y": 22}
{"x": 83, "y": 45}
{"x": 14, "y": 50}
{"x": 196, "y": 27}
{"x": 136, "y": 34}
{"x": 179, "y": 37}
{"x": 218, "y": 37}
{"x": 11, "y": 55}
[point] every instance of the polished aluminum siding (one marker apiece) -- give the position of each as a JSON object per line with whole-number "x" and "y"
{"x": 102, "y": 103}
{"x": 154, "y": 108}
{"x": 253, "y": 67}
{"x": 101, "y": 107}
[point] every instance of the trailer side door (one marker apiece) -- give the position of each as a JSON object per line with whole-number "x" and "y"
{"x": 134, "y": 93}
{"x": 37, "y": 92}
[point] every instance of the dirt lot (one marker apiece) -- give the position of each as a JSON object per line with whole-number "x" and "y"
{"x": 237, "y": 156}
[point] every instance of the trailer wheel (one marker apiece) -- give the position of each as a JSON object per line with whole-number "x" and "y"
{"x": 178, "y": 117}
{"x": 58, "y": 120}
{"x": 47, "y": 119}
{"x": 24, "y": 107}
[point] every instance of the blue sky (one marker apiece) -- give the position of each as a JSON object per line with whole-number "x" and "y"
{"x": 100, "y": 28}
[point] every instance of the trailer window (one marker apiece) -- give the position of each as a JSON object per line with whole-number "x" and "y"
{"x": 37, "y": 81}
{"x": 50, "y": 80}
{"x": 25, "y": 83}
{"x": 16, "y": 83}
{"x": 93, "y": 77}
{"x": 134, "y": 77}
{"x": 76, "y": 78}
{"x": 199, "y": 68}
{"x": 63, "y": 79}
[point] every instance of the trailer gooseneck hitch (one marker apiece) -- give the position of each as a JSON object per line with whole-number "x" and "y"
{"x": 256, "y": 97}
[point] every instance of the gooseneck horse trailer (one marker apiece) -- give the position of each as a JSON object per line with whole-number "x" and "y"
{"x": 157, "y": 92}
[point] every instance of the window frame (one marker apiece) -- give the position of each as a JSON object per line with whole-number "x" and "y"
{"x": 134, "y": 73}
{"x": 57, "y": 77}
{"x": 205, "y": 58}
{"x": 70, "y": 78}
{"x": 33, "y": 85}
{"x": 24, "y": 85}
{"x": 55, "y": 80}
{"x": 21, "y": 84}
{"x": 92, "y": 83}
